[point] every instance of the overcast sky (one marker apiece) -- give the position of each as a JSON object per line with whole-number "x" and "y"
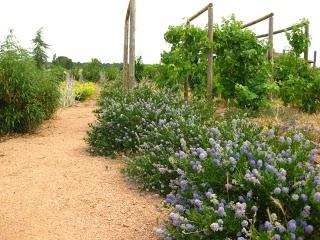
{"x": 82, "y": 29}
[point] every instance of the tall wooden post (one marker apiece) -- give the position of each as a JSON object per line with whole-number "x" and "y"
{"x": 125, "y": 54}
{"x": 306, "y": 51}
{"x": 270, "y": 51}
{"x": 210, "y": 53}
{"x": 314, "y": 59}
{"x": 132, "y": 54}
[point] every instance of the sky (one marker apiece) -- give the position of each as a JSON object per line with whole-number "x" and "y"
{"x": 83, "y": 29}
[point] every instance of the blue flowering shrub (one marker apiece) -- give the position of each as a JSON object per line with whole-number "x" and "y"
{"x": 248, "y": 184}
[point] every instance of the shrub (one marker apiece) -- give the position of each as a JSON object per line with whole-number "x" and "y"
{"x": 112, "y": 73}
{"x": 299, "y": 83}
{"x": 28, "y": 95}
{"x": 241, "y": 64}
{"x": 91, "y": 71}
{"x": 147, "y": 125}
{"x": 249, "y": 184}
{"x": 187, "y": 59}
{"x": 84, "y": 90}
{"x": 73, "y": 91}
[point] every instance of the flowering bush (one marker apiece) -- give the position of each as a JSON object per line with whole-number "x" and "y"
{"x": 249, "y": 184}
{"x": 143, "y": 119}
{"x": 149, "y": 125}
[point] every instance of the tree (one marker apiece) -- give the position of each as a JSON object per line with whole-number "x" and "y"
{"x": 39, "y": 50}
{"x": 91, "y": 71}
{"x": 64, "y": 62}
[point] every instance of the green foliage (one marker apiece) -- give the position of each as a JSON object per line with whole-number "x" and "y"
{"x": 113, "y": 73}
{"x": 91, "y": 71}
{"x": 241, "y": 64}
{"x": 63, "y": 61}
{"x": 297, "y": 38}
{"x": 299, "y": 83}
{"x": 39, "y": 50}
{"x": 151, "y": 71}
{"x": 58, "y": 72}
{"x": 75, "y": 72}
{"x": 139, "y": 68}
{"x": 28, "y": 94}
{"x": 187, "y": 58}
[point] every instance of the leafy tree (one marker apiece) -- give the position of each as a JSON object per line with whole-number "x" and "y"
{"x": 64, "y": 62}
{"x": 91, "y": 71}
{"x": 39, "y": 50}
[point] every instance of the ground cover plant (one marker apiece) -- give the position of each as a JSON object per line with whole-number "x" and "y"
{"x": 28, "y": 94}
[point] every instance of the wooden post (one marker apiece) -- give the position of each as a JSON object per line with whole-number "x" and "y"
{"x": 132, "y": 54}
{"x": 314, "y": 59}
{"x": 306, "y": 51}
{"x": 210, "y": 53}
{"x": 257, "y": 20}
{"x": 270, "y": 51}
{"x": 125, "y": 55}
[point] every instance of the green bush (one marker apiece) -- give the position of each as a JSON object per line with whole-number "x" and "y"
{"x": 112, "y": 73}
{"x": 91, "y": 71}
{"x": 187, "y": 59}
{"x": 241, "y": 65}
{"x": 28, "y": 95}
{"x": 299, "y": 83}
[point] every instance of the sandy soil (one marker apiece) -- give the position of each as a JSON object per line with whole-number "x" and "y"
{"x": 52, "y": 189}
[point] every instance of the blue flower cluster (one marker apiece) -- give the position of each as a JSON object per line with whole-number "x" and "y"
{"x": 250, "y": 183}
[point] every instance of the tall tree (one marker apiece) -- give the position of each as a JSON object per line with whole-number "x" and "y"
{"x": 39, "y": 50}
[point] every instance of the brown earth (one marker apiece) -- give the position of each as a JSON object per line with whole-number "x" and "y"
{"x": 52, "y": 189}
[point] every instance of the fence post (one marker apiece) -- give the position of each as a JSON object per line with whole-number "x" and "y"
{"x": 270, "y": 51}
{"x": 314, "y": 59}
{"x": 132, "y": 57}
{"x": 210, "y": 53}
{"x": 125, "y": 55}
{"x": 306, "y": 51}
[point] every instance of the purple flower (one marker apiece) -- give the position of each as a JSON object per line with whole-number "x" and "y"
{"x": 277, "y": 190}
{"x": 180, "y": 208}
{"x": 308, "y": 229}
{"x": 221, "y": 212}
{"x": 304, "y": 197}
{"x": 254, "y": 209}
{"x": 244, "y": 223}
{"x": 317, "y": 196}
{"x": 292, "y": 225}
{"x": 268, "y": 226}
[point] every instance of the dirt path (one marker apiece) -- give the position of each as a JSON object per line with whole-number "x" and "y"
{"x": 52, "y": 189}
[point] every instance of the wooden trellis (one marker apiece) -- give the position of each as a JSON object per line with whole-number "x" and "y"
{"x": 209, "y": 9}
{"x": 129, "y": 47}
{"x": 271, "y": 33}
